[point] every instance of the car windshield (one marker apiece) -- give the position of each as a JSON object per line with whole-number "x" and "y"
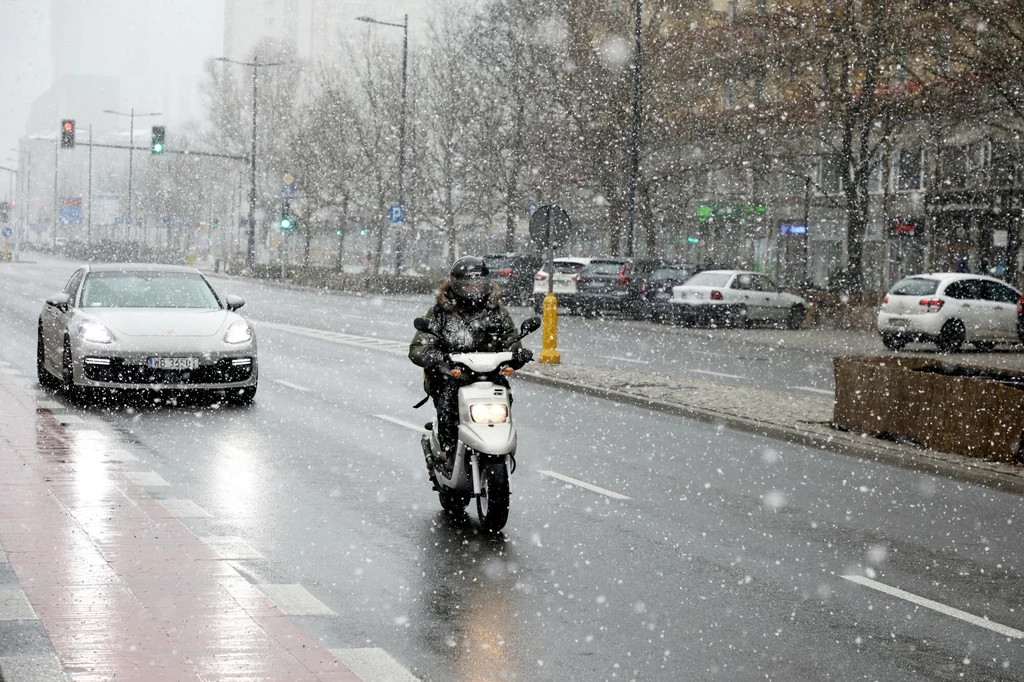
{"x": 147, "y": 290}
{"x": 568, "y": 268}
{"x": 709, "y": 279}
{"x": 495, "y": 264}
{"x": 915, "y": 286}
{"x": 604, "y": 268}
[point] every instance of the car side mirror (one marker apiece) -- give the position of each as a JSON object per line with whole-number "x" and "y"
{"x": 59, "y": 301}
{"x": 530, "y": 325}
{"x": 233, "y": 302}
{"x": 421, "y": 324}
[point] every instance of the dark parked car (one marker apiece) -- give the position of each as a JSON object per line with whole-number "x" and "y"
{"x": 1020, "y": 319}
{"x": 613, "y": 285}
{"x": 513, "y": 272}
{"x": 656, "y": 289}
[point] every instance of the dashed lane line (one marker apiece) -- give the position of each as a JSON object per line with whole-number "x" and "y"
{"x": 291, "y": 385}
{"x": 584, "y": 484}
{"x": 937, "y": 606}
{"x": 373, "y": 665}
{"x": 810, "y": 389}
{"x": 184, "y": 509}
{"x": 637, "y": 362}
{"x": 147, "y": 479}
{"x": 406, "y": 424}
{"x": 716, "y": 374}
{"x": 387, "y": 345}
{"x": 231, "y": 547}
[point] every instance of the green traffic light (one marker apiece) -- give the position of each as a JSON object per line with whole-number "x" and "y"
{"x": 286, "y": 224}
{"x": 157, "y": 148}
{"x": 692, "y": 240}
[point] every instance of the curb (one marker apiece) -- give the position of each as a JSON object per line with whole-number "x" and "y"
{"x": 911, "y": 458}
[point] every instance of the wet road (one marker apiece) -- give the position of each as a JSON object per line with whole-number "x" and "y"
{"x": 727, "y": 561}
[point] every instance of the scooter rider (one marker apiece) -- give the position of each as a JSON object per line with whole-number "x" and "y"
{"x": 467, "y": 318}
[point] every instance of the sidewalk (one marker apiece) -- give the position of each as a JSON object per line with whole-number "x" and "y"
{"x": 99, "y": 581}
{"x": 800, "y": 419}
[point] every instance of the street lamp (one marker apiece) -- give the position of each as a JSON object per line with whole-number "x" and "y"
{"x": 131, "y": 152}
{"x": 634, "y": 135}
{"x": 399, "y": 247}
{"x": 250, "y": 253}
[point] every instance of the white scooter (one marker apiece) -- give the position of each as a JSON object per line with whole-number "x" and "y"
{"x": 486, "y": 449}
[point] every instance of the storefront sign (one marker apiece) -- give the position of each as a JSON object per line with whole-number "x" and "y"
{"x": 906, "y": 227}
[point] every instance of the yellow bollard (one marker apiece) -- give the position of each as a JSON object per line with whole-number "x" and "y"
{"x": 7, "y": 253}
{"x": 191, "y": 259}
{"x": 549, "y": 350}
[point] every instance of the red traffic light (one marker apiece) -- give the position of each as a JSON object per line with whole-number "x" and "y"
{"x": 67, "y": 134}
{"x": 69, "y": 126}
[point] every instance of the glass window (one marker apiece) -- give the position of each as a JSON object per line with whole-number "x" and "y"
{"x": 762, "y": 283}
{"x": 147, "y": 290}
{"x": 71, "y": 288}
{"x": 604, "y": 268}
{"x": 998, "y": 292}
{"x": 908, "y": 169}
{"x": 743, "y": 282}
{"x": 709, "y": 279}
{"x": 964, "y": 289}
{"x": 670, "y": 273}
{"x": 568, "y": 268}
{"x": 915, "y": 286}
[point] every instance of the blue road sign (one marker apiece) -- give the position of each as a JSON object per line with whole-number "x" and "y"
{"x": 396, "y": 214}
{"x": 288, "y": 191}
{"x": 7, "y": 232}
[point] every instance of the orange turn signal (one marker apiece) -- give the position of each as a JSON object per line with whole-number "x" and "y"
{"x": 507, "y": 371}
{"x": 456, "y": 372}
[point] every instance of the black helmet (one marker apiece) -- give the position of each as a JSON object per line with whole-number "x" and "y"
{"x": 470, "y": 281}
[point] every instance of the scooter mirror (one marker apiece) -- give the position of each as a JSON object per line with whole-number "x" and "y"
{"x": 421, "y": 324}
{"x": 530, "y": 325}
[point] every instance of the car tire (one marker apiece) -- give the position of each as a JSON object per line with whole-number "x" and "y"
{"x": 984, "y": 346}
{"x": 795, "y": 320}
{"x": 242, "y": 396}
{"x": 951, "y": 336}
{"x": 67, "y": 374}
{"x": 46, "y": 380}
{"x": 893, "y": 342}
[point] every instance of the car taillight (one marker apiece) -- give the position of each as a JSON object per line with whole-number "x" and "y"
{"x": 716, "y": 295}
{"x": 575, "y": 277}
{"x": 507, "y": 272}
{"x": 623, "y": 280}
{"x": 540, "y": 276}
{"x": 932, "y": 305}
{"x": 1020, "y": 306}
{"x": 885, "y": 300}
{"x": 643, "y": 287}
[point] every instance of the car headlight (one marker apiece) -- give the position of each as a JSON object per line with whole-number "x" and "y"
{"x": 483, "y": 413}
{"x": 238, "y": 332}
{"x": 94, "y": 332}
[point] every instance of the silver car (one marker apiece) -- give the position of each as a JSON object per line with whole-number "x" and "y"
{"x": 156, "y": 327}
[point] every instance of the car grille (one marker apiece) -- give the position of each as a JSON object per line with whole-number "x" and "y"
{"x": 223, "y": 372}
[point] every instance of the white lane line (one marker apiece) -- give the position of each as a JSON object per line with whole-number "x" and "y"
{"x": 715, "y": 374}
{"x": 400, "y": 422}
{"x": 612, "y": 357}
{"x": 369, "y": 342}
{"x": 69, "y": 419}
{"x": 936, "y": 606}
{"x": 184, "y": 509}
{"x": 14, "y": 605}
{"x": 146, "y": 478}
{"x": 584, "y": 484}
{"x": 50, "y": 405}
{"x": 291, "y": 385}
{"x": 812, "y": 390}
{"x": 295, "y": 600}
{"x": 373, "y": 665}
{"x": 231, "y": 547}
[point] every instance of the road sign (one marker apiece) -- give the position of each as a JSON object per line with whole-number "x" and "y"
{"x": 288, "y": 191}
{"x": 71, "y": 209}
{"x": 7, "y": 232}
{"x": 396, "y": 214}
{"x": 554, "y": 218}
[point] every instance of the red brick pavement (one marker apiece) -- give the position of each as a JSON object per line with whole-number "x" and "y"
{"x": 123, "y": 589}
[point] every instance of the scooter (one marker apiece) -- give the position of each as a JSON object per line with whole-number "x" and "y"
{"x": 485, "y": 456}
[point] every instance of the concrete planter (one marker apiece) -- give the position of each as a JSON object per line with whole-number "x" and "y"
{"x": 960, "y": 409}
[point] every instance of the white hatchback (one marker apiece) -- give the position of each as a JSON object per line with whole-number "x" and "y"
{"x": 736, "y": 297}
{"x": 949, "y": 309}
{"x": 564, "y": 284}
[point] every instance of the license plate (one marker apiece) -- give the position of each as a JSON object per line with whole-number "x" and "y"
{"x": 172, "y": 363}
{"x": 899, "y": 322}
{"x": 663, "y": 294}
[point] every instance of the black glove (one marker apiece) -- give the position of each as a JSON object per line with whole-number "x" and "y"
{"x": 433, "y": 356}
{"x": 521, "y": 356}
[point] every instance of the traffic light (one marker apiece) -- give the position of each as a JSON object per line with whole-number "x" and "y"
{"x": 157, "y": 144}
{"x": 67, "y": 134}
{"x": 362, "y": 233}
{"x": 286, "y": 217}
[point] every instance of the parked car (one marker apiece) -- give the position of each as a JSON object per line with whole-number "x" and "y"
{"x": 612, "y": 285}
{"x": 1020, "y": 319}
{"x": 735, "y": 297}
{"x": 513, "y": 272}
{"x": 656, "y": 289}
{"x": 564, "y": 283}
{"x": 152, "y": 327}
{"x": 950, "y": 309}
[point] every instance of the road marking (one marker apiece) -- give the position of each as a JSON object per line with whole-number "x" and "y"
{"x": 371, "y": 342}
{"x": 716, "y": 374}
{"x": 373, "y": 665}
{"x": 14, "y": 605}
{"x": 295, "y": 600}
{"x": 812, "y": 390}
{"x": 146, "y": 478}
{"x": 69, "y": 419}
{"x": 231, "y": 547}
{"x": 936, "y": 606}
{"x": 184, "y": 509}
{"x": 612, "y": 357}
{"x": 406, "y": 424}
{"x": 291, "y": 385}
{"x": 50, "y": 405}
{"x": 584, "y": 484}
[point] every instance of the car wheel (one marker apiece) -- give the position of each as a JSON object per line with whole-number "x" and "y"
{"x": 242, "y": 396}
{"x": 893, "y": 341}
{"x": 984, "y": 346}
{"x": 46, "y": 380}
{"x": 796, "y": 317}
{"x": 67, "y": 374}
{"x": 951, "y": 336}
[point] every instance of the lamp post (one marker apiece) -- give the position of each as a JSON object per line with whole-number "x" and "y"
{"x": 400, "y": 246}
{"x": 634, "y": 135}
{"x": 131, "y": 151}
{"x": 250, "y": 253}
{"x": 10, "y": 200}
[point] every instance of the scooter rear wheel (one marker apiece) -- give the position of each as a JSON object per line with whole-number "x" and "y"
{"x": 492, "y": 505}
{"x": 453, "y": 503}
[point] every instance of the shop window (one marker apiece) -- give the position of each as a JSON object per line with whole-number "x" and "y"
{"x": 909, "y": 169}
{"x": 830, "y": 174}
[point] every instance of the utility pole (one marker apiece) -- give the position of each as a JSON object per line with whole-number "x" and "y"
{"x": 131, "y": 154}
{"x": 56, "y": 208}
{"x": 88, "y": 215}
{"x": 634, "y": 135}
{"x": 250, "y": 253}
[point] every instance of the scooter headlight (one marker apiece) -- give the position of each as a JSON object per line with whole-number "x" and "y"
{"x": 483, "y": 413}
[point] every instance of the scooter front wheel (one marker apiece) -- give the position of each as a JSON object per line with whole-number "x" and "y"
{"x": 492, "y": 505}
{"x": 453, "y": 503}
